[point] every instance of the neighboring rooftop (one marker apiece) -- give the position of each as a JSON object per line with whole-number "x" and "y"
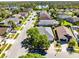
{"x": 63, "y": 16}
{"x": 62, "y": 31}
{"x": 47, "y": 31}
{"x": 15, "y": 19}
{"x": 2, "y": 30}
{"x": 44, "y": 15}
{"x": 47, "y": 22}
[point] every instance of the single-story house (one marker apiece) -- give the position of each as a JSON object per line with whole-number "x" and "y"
{"x": 48, "y": 23}
{"x": 72, "y": 19}
{"x": 69, "y": 18}
{"x": 47, "y": 31}
{"x": 63, "y": 34}
{"x": 21, "y": 14}
{"x": 75, "y": 27}
{"x": 63, "y": 16}
{"x": 15, "y": 19}
{"x": 3, "y": 30}
{"x": 1, "y": 39}
{"x": 44, "y": 15}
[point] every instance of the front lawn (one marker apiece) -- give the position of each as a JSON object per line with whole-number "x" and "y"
{"x": 24, "y": 21}
{"x": 77, "y": 23}
{"x": 76, "y": 49}
{"x": 15, "y": 36}
{"x": 63, "y": 22}
{"x": 17, "y": 28}
{"x": 10, "y": 35}
{"x": 2, "y": 47}
{"x": 35, "y": 18}
{"x": 3, "y": 55}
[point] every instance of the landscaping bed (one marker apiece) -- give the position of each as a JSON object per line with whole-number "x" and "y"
{"x": 76, "y": 49}
{"x": 19, "y": 28}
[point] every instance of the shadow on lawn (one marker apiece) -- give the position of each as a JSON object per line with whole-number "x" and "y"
{"x": 39, "y": 51}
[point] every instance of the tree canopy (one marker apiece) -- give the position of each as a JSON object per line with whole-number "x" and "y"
{"x": 12, "y": 23}
{"x": 36, "y": 40}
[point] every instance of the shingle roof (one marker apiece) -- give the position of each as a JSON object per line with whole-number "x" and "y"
{"x": 15, "y": 19}
{"x": 62, "y": 31}
{"x": 47, "y": 31}
{"x": 47, "y": 22}
{"x": 44, "y": 15}
{"x": 64, "y": 16}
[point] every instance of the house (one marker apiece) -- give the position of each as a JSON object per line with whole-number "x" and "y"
{"x": 69, "y": 18}
{"x": 72, "y": 19}
{"x": 44, "y": 15}
{"x": 47, "y": 31}
{"x": 15, "y": 19}
{"x": 21, "y": 14}
{"x": 12, "y": 7}
{"x": 75, "y": 27}
{"x": 3, "y": 30}
{"x": 42, "y": 6}
{"x": 27, "y": 9}
{"x": 63, "y": 34}
{"x": 48, "y": 23}
{"x": 63, "y": 16}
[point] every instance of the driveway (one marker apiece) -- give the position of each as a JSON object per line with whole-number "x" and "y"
{"x": 51, "y": 53}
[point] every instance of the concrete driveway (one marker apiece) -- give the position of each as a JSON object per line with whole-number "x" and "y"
{"x": 51, "y": 53}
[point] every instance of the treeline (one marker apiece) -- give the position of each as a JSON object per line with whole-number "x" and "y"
{"x": 54, "y": 4}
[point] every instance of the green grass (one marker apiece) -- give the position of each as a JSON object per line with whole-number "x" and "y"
{"x": 3, "y": 55}
{"x": 66, "y": 23}
{"x": 11, "y": 35}
{"x": 2, "y": 48}
{"x": 21, "y": 28}
{"x": 9, "y": 46}
{"x": 17, "y": 28}
{"x": 15, "y": 36}
{"x": 76, "y": 49}
{"x": 77, "y": 23}
{"x": 36, "y": 18}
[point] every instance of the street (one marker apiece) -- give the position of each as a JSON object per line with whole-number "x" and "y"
{"x": 16, "y": 50}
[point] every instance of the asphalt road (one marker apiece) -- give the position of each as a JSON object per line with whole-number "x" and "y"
{"x": 16, "y": 49}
